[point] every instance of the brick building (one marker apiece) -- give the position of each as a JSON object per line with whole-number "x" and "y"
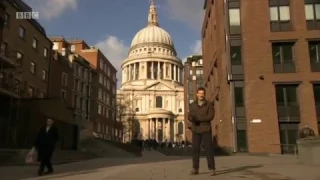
{"x": 193, "y": 78}
{"x": 24, "y": 66}
{"x": 104, "y": 93}
{"x": 261, "y": 67}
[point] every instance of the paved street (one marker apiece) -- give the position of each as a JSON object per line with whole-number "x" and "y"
{"x": 153, "y": 167}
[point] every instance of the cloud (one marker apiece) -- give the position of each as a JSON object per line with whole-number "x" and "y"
{"x": 115, "y": 50}
{"x": 50, "y": 9}
{"x": 196, "y": 48}
{"x": 189, "y": 12}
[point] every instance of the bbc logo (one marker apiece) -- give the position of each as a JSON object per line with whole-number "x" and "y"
{"x": 27, "y": 15}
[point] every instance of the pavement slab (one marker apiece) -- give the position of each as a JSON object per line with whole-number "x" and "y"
{"x": 172, "y": 168}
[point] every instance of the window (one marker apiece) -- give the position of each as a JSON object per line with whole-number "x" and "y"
{"x": 19, "y": 55}
{"x": 108, "y": 84}
{"x": 44, "y": 74}
{"x": 35, "y": 43}
{"x": 109, "y": 72}
{"x": 239, "y": 102}
{"x": 64, "y": 79}
{"x": 99, "y": 109}
{"x": 234, "y": 17}
{"x": 180, "y": 128}
{"x": 6, "y": 19}
{"x": 63, "y": 94}
{"x": 55, "y": 46}
{"x": 312, "y": 11}
{"x": 22, "y": 32}
{"x": 30, "y": 92}
{"x": 33, "y": 68}
{"x": 242, "y": 140}
{"x": 101, "y": 64}
{"x": 45, "y": 52}
{"x": 279, "y": 15}
{"x": 238, "y": 96}
{"x": 100, "y": 78}
{"x": 282, "y": 55}
{"x": 235, "y": 53}
{"x": 288, "y": 135}
{"x": 287, "y": 103}
{"x": 100, "y": 94}
{"x": 316, "y": 92}
{"x": 314, "y": 53}
{"x": 42, "y": 95}
{"x": 73, "y": 47}
{"x": 159, "y": 102}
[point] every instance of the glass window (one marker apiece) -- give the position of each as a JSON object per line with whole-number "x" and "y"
{"x": 234, "y": 17}
{"x": 316, "y": 91}
{"x": 34, "y": 43}
{"x": 235, "y": 55}
{"x": 33, "y": 67}
{"x": 274, "y": 14}
{"x": 30, "y": 91}
{"x": 45, "y": 52}
{"x": 238, "y": 95}
{"x": 44, "y": 74}
{"x": 159, "y": 102}
{"x": 314, "y": 52}
{"x": 22, "y": 32}
{"x": 309, "y": 12}
{"x": 284, "y": 13}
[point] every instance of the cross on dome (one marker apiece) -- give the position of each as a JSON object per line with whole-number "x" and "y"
{"x": 153, "y": 15}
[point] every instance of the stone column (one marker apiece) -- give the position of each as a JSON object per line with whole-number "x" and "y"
{"x": 174, "y": 72}
{"x": 156, "y": 129}
{"x": 163, "y": 129}
{"x": 179, "y": 73}
{"x": 164, "y": 70}
{"x": 149, "y": 131}
{"x": 152, "y": 69}
{"x": 170, "y": 71}
{"x": 130, "y": 78}
{"x": 159, "y": 70}
{"x": 134, "y": 71}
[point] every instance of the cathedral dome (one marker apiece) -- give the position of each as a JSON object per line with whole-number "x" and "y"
{"x": 152, "y": 34}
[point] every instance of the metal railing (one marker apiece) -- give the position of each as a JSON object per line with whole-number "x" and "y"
{"x": 288, "y": 148}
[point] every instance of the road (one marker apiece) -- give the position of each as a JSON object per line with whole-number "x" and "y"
{"x": 156, "y": 167}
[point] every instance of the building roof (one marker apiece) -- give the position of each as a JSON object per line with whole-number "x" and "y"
{"x": 152, "y": 33}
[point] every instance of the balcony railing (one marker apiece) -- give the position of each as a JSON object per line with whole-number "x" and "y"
{"x": 8, "y": 87}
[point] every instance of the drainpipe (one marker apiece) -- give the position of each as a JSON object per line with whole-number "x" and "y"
{"x": 50, "y": 56}
{"x": 231, "y": 83}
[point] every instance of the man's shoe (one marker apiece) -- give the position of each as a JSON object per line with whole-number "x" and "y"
{"x": 194, "y": 172}
{"x": 212, "y": 172}
{"x": 40, "y": 173}
{"x": 50, "y": 171}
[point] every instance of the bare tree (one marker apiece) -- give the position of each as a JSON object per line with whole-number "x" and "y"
{"x": 126, "y": 114}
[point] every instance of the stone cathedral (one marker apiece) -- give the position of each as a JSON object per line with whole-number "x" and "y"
{"x": 152, "y": 85}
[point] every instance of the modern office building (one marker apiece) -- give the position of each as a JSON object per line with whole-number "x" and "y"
{"x": 193, "y": 79}
{"x": 262, "y": 68}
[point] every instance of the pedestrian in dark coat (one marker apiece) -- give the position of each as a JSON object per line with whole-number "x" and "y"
{"x": 45, "y": 144}
{"x": 201, "y": 113}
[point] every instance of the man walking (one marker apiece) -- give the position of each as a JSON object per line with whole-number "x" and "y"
{"x": 201, "y": 113}
{"x": 45, "y": 145}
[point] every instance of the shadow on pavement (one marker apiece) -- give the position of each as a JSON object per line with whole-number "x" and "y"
{"x": 242, "y": 168}
{"x": 78, "y": 168}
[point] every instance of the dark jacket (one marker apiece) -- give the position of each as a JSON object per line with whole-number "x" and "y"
{"x": 46, "y": 141}
{"x": 201, "y": 116}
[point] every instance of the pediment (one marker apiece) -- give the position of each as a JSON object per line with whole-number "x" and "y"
{"x": 159, "y": 86}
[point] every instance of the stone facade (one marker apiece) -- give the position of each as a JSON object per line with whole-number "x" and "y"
{"x": 151, "y": 88}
